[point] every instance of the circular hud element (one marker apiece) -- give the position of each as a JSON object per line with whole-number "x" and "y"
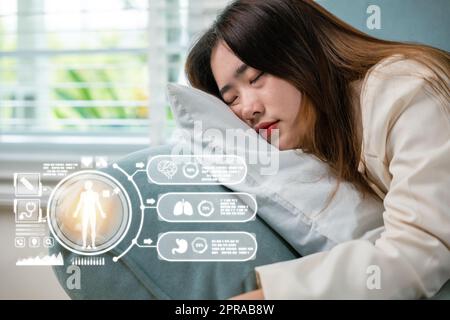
{"x": 89, "y": 212}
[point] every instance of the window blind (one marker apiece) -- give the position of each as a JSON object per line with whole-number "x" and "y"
{"x": 94, "y": 67}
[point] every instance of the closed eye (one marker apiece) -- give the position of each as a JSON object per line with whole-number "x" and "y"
{"x": 231, "y": 102}
{"x": 257, "y": 78}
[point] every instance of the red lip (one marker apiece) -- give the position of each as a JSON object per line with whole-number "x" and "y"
{"x": 265, "y": 125}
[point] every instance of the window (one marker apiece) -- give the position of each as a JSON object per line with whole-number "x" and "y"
{"x": 95, "y": 68}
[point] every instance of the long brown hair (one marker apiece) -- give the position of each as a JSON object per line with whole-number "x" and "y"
{"x": 321, "y": 55}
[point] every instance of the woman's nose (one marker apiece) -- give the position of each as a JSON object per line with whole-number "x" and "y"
{"x": 252, "y": 107}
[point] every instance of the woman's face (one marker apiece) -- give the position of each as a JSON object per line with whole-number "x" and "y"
{"x": 261, "y": 100}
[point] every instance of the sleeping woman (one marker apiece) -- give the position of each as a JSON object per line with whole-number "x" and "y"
{"x": 376, "y": 112}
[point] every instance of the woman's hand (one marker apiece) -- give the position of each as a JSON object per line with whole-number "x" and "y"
{"x": 251, "y": 295}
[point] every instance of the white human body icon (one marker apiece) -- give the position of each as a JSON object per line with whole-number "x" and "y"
{"x": 88, "y": 205}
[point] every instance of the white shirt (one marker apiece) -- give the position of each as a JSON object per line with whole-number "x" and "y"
{"x": 406, "y": 152}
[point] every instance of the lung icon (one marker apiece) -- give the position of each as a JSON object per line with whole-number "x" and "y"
{"x": 183, "y": 207}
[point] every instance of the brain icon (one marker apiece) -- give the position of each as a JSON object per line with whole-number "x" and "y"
{"x": 167, "y": 168}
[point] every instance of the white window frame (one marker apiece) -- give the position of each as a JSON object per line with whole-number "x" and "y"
{"x": 25, "y": 151}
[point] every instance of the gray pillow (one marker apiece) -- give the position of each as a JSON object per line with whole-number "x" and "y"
{"x": 292, "y": 192}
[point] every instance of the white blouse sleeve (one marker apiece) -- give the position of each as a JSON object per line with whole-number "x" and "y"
{"x": 411, "y": 259}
